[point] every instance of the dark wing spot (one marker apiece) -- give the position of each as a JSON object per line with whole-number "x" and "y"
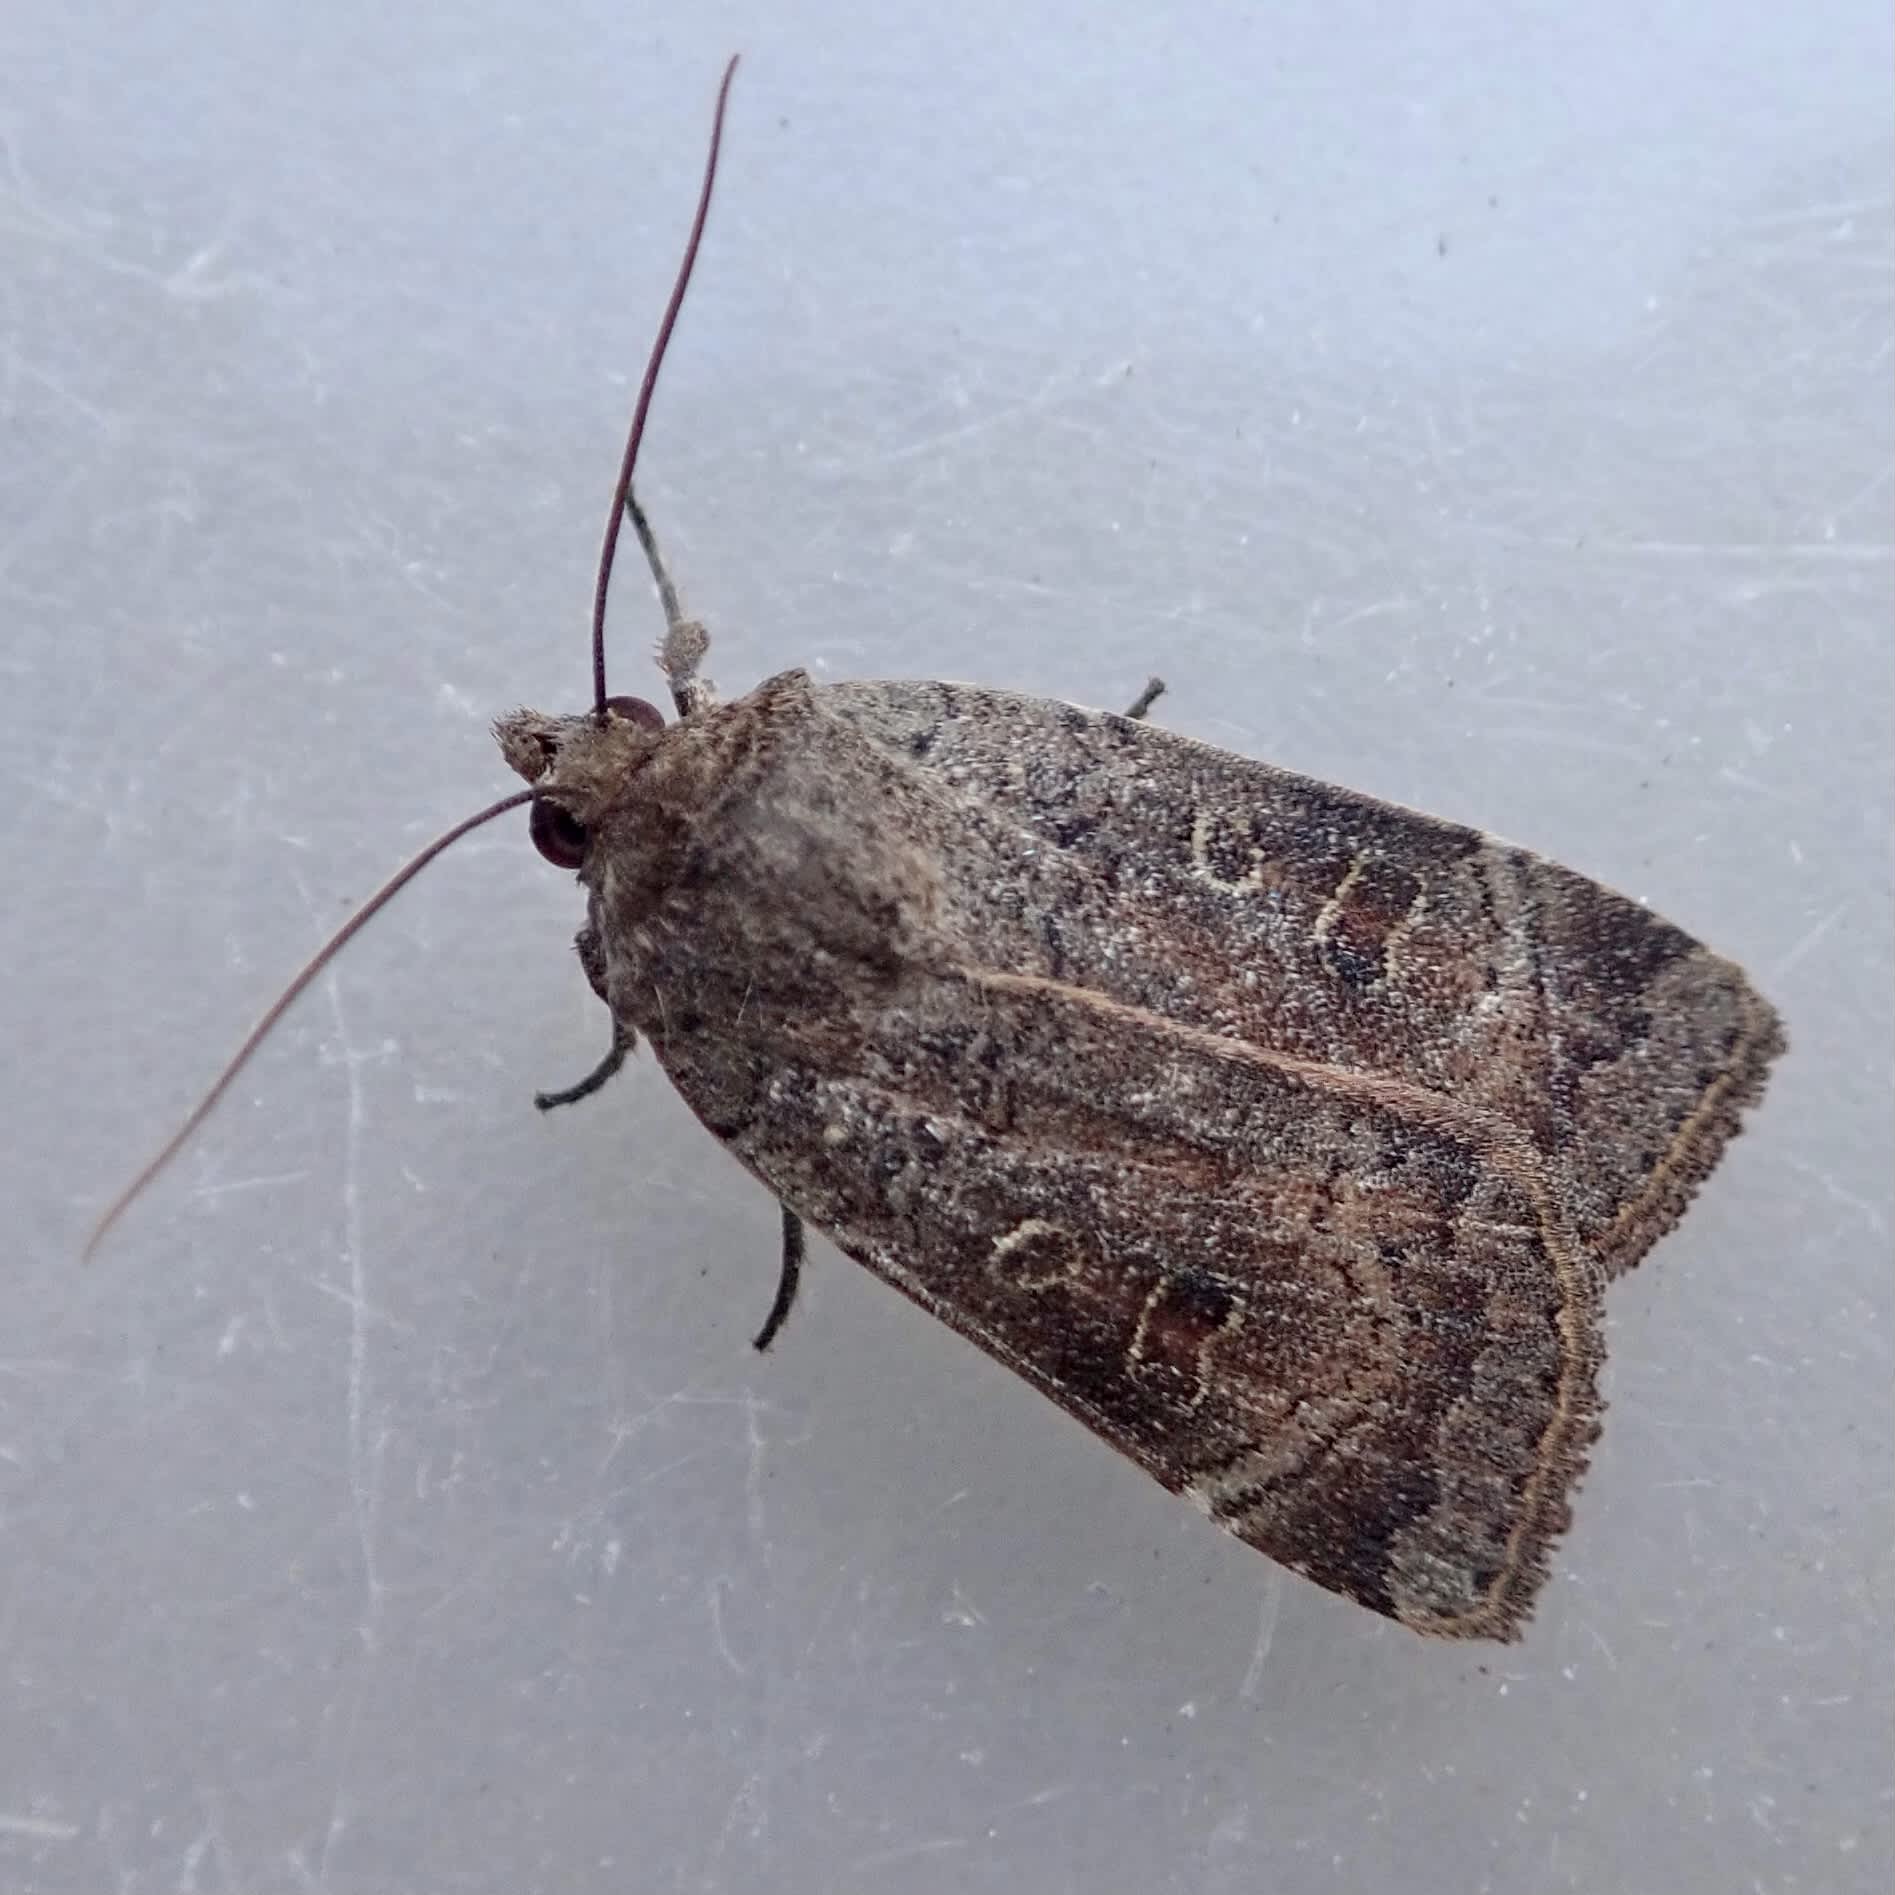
{"x": 1372, "y": 904}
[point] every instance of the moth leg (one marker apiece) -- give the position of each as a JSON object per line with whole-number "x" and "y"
{"x": 592, "y": 959}
{"x": 1153, "y": 691}
{"x": 623, "y": 1041}
{"x": 685, "y": 644}
{"x": 685, "y": 641}
{"x": 790, "y": 1276}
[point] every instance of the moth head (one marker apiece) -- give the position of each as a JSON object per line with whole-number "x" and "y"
{"x": 580, "y": 766}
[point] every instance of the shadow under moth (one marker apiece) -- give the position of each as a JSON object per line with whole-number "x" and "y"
{"x": 1286, "y": 1138}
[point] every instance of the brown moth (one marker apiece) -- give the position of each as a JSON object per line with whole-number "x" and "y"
{"x": 1285, "y": 1137}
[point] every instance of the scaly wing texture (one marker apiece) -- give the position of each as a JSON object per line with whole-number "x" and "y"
{"x": 1337, "y": 1312}
{"x": 1272, "y": 909}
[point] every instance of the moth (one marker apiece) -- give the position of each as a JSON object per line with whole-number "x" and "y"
{"x": 1286, "y": 1138}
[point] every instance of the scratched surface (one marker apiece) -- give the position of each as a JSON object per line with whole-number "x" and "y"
{"x": 1498, "y": 415}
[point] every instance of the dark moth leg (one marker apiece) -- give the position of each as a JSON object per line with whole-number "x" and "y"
{"x": 623, "y": 1041}
{"x": 1153, "y": 691}
{"x": 592, "y": 959}
{"x": 789, "y": 1277}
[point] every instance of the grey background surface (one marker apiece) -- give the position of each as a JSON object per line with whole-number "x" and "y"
{"x": 1488, "y": 407}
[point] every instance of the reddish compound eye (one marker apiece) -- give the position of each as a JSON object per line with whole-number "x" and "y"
{"x": 557, "y": 834}
{"x": 636, "y": 711}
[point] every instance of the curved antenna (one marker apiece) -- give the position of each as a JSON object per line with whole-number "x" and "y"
{"x": 609, "y": 551}
{"x": 282, "y": 1004}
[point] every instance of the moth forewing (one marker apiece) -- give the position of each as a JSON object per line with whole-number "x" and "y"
{"x": 1312, "y": 920}
{"x": 1338, "y": 1314}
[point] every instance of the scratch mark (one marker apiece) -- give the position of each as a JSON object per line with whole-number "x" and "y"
{"x": 1267, "y": 1610}
{"x": 1038, "y": 1800}
{"x": 1752, "y": 786}
{"x": 210, "y": 1841}
{"x": 363, "y": 1482}
{"x": 1532, "y": 736}
{"x": 1810, "y": 939}
{"x": 191, "y": 281}
{"x": 1053, "y": 391}
{"x": 746, "y": 1809}
{"x": 263, "y": 1181}
{"x": 359, "y": 1311}
{"x": 963, "y": 1611}
{"x": 299, "y": 1866}
{"x": 715, "y": 1593}
{"x": 1839, "y": 552}
{"x": 1375, "y": 609}
{"x": 1605, "y": 1651}
{"x": 364, "y": 1458}
{"x": 753, "y": 1478}
{"x": 1867, "y": 1211}
{"x": 37, "y": 1828}
{"x": 19, "y": 369}
{"x": 909, "y": 1852}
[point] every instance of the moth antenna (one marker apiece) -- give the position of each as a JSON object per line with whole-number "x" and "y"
{"x": 282, "y": 1004}
{"x": 615, "y": 519}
